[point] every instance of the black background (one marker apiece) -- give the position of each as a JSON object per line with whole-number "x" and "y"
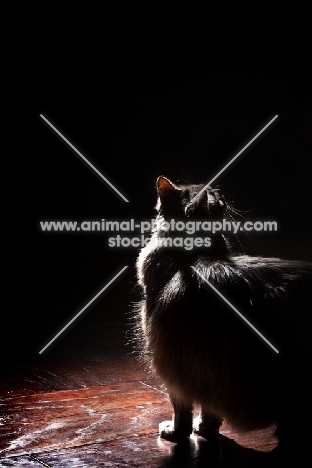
{"x": 137, "y": 109}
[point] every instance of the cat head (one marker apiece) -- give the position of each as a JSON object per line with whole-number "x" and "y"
{"x": 188, "y": 200}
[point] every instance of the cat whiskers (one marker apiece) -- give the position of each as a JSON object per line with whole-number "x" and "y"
{"x": 230, "y": 209}
{"x": 235, "y": 211}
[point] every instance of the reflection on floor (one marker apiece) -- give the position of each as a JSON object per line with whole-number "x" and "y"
{"x": 101, "y": 409}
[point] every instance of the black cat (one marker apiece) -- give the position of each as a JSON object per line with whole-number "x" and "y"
{"x": 204, "y": 353}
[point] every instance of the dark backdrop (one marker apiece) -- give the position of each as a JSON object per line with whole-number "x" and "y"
{"x": 136, "y": 110}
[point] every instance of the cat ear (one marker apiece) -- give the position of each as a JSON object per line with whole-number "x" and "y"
{"x": 165, "y": 185}
{"x": 203, "y": 202}
{"x": 168, "y": 195}
{"x": 200, "y": 205}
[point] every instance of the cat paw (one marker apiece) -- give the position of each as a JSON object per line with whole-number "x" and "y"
{"x": 167, "y": 431}
{"x": 207, "y": 432}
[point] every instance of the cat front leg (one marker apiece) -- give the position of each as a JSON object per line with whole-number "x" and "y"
{"x": 182, "y": 424}
{"x": 207, "y": 425}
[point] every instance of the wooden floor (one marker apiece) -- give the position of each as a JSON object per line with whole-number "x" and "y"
{"x": 101, "y": 409}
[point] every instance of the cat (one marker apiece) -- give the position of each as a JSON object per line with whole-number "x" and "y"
{"x": 203, "y": 352}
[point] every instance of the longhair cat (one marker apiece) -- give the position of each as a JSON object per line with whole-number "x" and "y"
{"x": 203, "y": 352}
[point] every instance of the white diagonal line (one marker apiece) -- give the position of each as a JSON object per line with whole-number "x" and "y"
{"x": 37, "y": 460}
{"x": 235, "y": 310}
{"x": 85, "y": 159}
{"x": 82, "y": 310}
{"x": 235, "y": 157}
